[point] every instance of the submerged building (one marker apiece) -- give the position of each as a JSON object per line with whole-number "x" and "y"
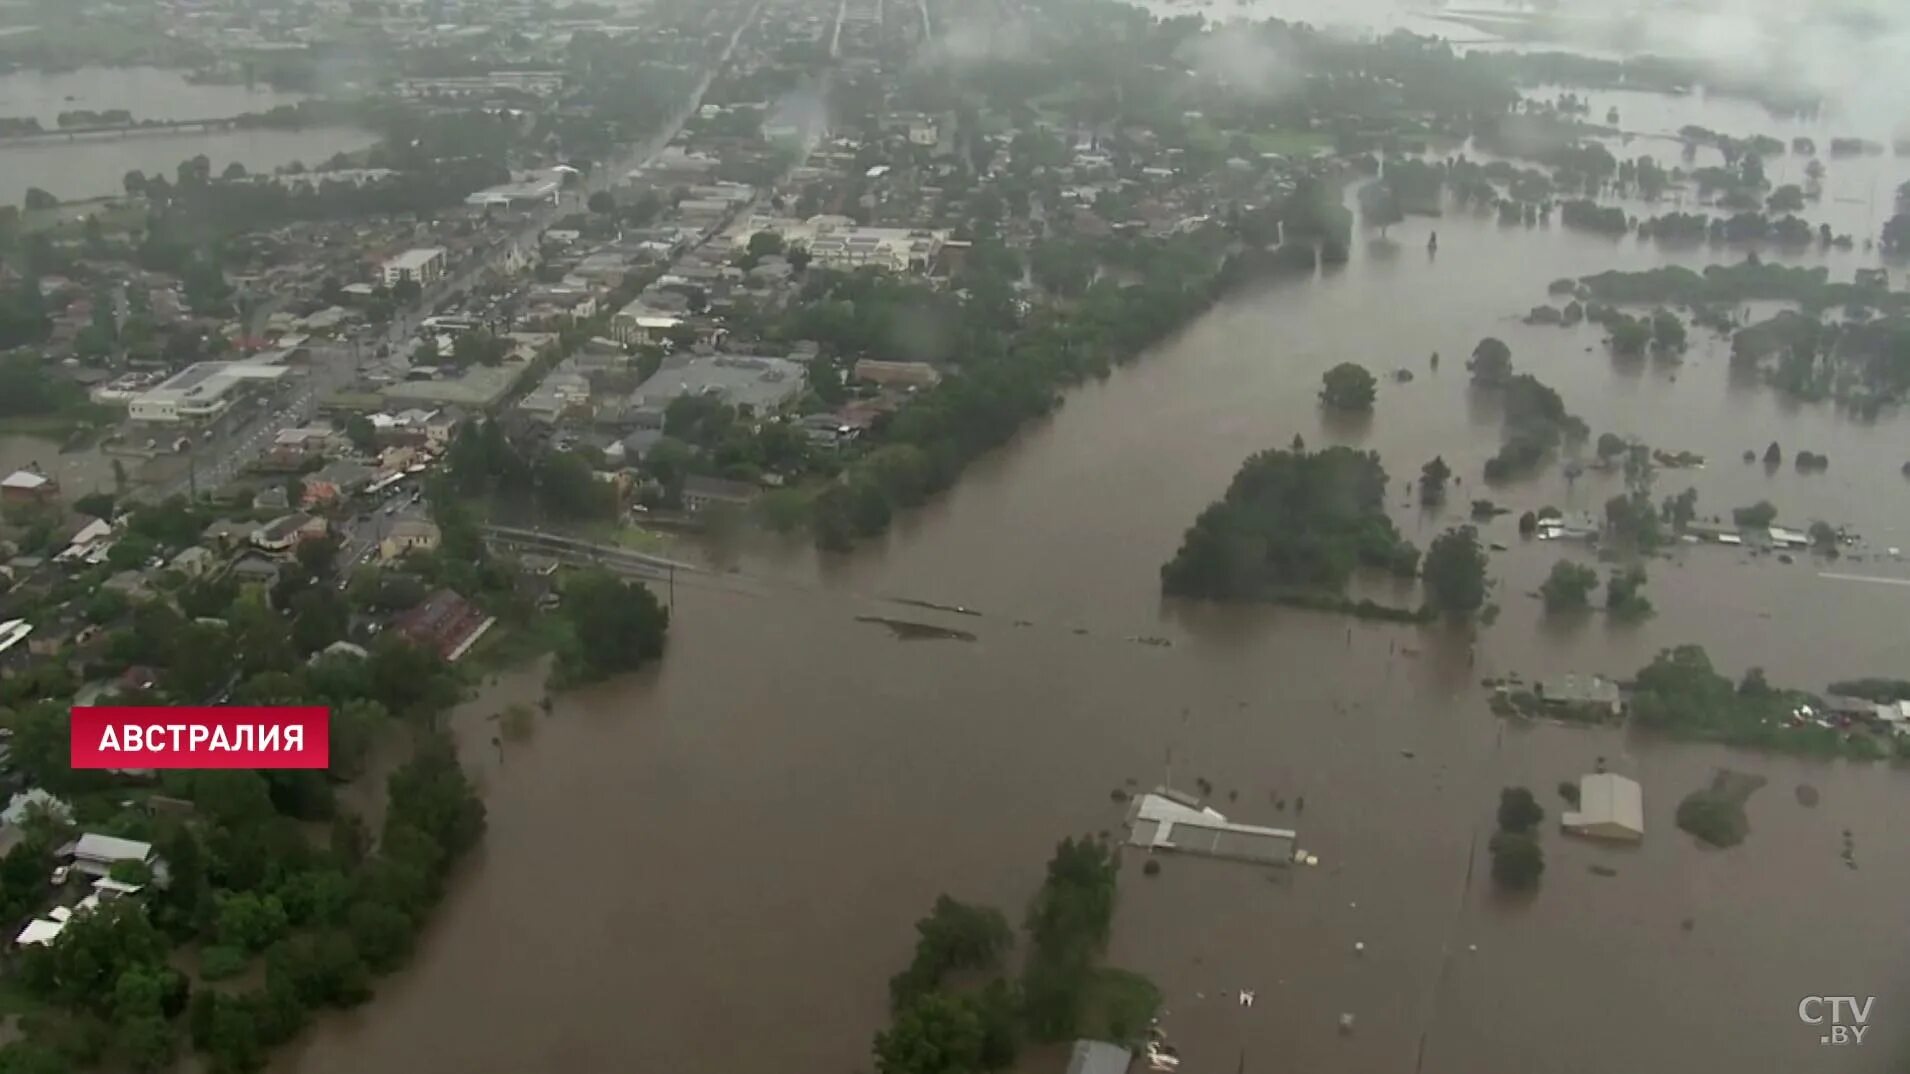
{"x": 1609, "y": 807}
{"x": 1169, "y": 820}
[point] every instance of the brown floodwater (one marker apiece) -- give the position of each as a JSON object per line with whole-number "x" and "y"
{"x": 716, "y": 865}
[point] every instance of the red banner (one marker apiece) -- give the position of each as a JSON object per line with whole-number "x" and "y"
{"x": 205, "y": 737}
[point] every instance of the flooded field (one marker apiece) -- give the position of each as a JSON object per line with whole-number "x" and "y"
{"x": 716, "y": 866}
{"x": 90, "y": 168}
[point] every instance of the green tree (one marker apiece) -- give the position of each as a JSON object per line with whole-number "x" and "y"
{"x": 1757, "y": 516}
{"x": 936, "y": 1034}
{"x": 319, "y": 618}
{"x": 1681, "y": 510}
{"x": 954, "y": 936}
{"x": 1348, "y": 386}
{"x": 1517, "y": 861}
{"x": 362, "y": 434}
{"x": 602, "y": 202}
{"x": 1432, "y": 481}
{"x": 1568, "y": 586}
{"x": 250, "y": 922}
{"x": 1667, "y": 331}
{"x": 97, "y": 504}
{"x": 1455, "y": 572}
{"x": 1624, "y": 595}
{"x": 616, "y": 625}
{"x": 38, "y": 200}
{"x": 765, "y": 244}
{"x": 1491, "y": 363}
{"x": 1519, "y": 811}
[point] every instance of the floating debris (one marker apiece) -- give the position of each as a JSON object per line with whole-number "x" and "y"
{"x": 1150, "y": 639}
{"x": 1346, "y": 1022}
{"x": 1359, "y": 947}
{"x": 1118, "y": 795}
{"x": 1807, "y": 795}
{"x": 1602, "y": 870}
{"x": 904, "y": 630}
{"x": 958, "y": 609}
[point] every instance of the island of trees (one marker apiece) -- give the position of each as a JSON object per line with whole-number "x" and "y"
{"x": 954, "y": 1010}
{"x": 1294, "y": 526}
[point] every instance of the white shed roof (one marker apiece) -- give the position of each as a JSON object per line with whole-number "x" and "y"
{"x": 1608, "y": 804}
{"x": 39, "y": 931}
{"x": 111, "y": 848}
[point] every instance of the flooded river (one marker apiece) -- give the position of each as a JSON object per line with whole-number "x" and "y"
{"x": 716, "y": 866}
{"x": 94, "y": 167}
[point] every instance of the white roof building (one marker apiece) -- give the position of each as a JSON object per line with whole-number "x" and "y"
{"x": 40, "y": 933}
{"x": 1166, "y": 820}
{"x": 1609, "y": 807}
{"x": 21, "y": 805}
{"x": 201, "y": 390}
{"x": 25, "y": 481}
{"x": 13, "y": 632}
{"x": 96, "y": 855}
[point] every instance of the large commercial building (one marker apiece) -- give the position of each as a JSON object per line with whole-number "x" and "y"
{"x": 837, "y": 242}
{"x": 760, "y": 384}
{"x": 423, "y": 266}
{"x": 539, "y": 188}
{"x": 199, "y": 392}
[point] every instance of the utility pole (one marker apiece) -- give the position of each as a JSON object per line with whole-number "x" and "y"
{"x": 672, "y": 589}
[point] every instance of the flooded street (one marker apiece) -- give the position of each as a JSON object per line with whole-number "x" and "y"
{"x": 716, "y": 866}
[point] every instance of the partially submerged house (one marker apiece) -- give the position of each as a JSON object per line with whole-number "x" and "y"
{"x": 1169, "y": 820}
{"x": 1098, "y": 1057}
{"x": 1609, "y": 807}
{"x": 1582, "y": 696}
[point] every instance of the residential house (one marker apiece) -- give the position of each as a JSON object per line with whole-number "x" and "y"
{"x": 226, "y": 533}
{"x": 445, "y": 623}
{"x": 254, "y": 569}
{"x": 701, "y": 493}
{"x": 1099, "y": 1057}
{"x": 897, "y": 374}
{"x": 410, "y": 535}
{"x": 13, "y": 654}
{"x": 336, "y": 481}
{"x": 1593, "y": 696}
{"x": 194, "y": 562}
{"x": 286, "y": 532}
{"x": 95, "y": 855}
{"x": 131, "y": 584}
{"x": 28, "y": 486}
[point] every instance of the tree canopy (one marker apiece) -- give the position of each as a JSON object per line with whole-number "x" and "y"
{"x": 1455, "y": 572}
{"x": 1348, "y": 386}
{"x": 1290, "y": 520}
